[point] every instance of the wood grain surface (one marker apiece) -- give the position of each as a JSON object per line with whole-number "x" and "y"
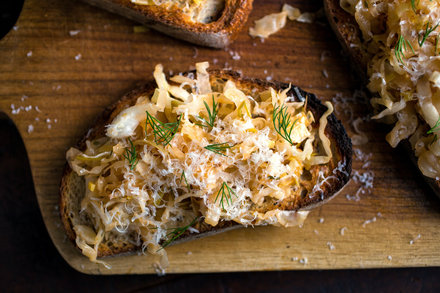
{"x": 66, "y": 61}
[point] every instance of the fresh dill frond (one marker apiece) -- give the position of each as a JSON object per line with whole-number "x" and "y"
{"x": 176, "y": 233}
{"x": 183, "y": 176}
{"x": 413, "y": 5}
{"x": 211, "y": 114}
{"x": 163, "y": 132}
{"x": 282, "y": 122}
{"x": 435, "y": 128}
{"x": 219, "y": 148}
{"x": 131, "y": 155}
{"x": 225, "y": 193}
{"x": 402, "y": 44}
{"x": 428, "y": 31}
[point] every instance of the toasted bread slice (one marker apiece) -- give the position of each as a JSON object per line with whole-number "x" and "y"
{"x": 349, "y": 35}
{"x": 216, "y": 25}
{"x": 339, "y": 168}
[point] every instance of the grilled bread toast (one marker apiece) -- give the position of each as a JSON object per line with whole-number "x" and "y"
{"x": 212, "y": 23}
{"x": 315, "y": 184}
{"x": 350, "y": 36}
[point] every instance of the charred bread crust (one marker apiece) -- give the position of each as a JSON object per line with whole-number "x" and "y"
{"x": 217, "y": 34}
{"x": 342, "y": 152}
{"x": 349, "y": 36}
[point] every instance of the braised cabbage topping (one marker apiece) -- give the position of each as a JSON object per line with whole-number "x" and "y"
{"x": 198, "y": 147}
{"x": 402, "y": 36}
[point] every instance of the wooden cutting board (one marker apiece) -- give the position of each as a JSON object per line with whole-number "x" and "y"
{"x": 65, "y": 61}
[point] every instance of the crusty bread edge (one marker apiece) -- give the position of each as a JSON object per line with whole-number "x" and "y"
{"x": 334, "y": 131}
{"x": 346, "y": 29}
{"x": 217, "y": 34}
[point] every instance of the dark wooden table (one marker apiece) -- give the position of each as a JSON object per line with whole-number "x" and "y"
{"x": 30, "y": 262}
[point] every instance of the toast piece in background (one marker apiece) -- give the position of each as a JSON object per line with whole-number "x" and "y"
{"x": 212, "y": 23}
{"x": 350, "y": 37}
{"x": 317, "y": 186}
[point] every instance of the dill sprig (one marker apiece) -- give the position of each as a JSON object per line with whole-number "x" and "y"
{"x": 176, "y": 233}
{"x": 131, "y": 155}
{"x": 435, "y": 128}
{"x": 163, "y": 132}
{"x": 183, "y": 176}
{"x": 428, "y": 30}
{"x": 402, "y": 43}
{"x": 413, "y": 5}
{"x": 282, "y": 122}
{"x": 211, "y": 114}
{"x": 219, "y": 148}
{"x": 225, "y": 193}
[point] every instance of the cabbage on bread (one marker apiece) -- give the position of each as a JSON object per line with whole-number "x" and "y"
{"x": 394, "y": 44}
{"x": 200, "y": 153}
{"x": 213, "y": 23}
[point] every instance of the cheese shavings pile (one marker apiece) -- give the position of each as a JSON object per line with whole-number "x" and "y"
{"x": 139, "y": 187}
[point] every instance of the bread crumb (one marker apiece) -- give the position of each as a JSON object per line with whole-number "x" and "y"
{"x": 342, "y": 231}
{"x": 324, "y": 55}
{"x": 234, "y": 55}
{"x": 372, "y": 220}
{"x": 321, "y": 220}
{"x": 15, "y": 27}
{"x": 29, "y": 54}
{"x": 294, "y": 259}
{"x": 77, "y": 57}
{"x": 330, "y": 245}
{"x": 159, "y": 270}
{"x": 24, "y": 97}
{"x": 411, "y": 242}
{"x": 56, "y": 88}
{"x": 37, "y": 109}
{"x": 74, "y": 33}
{"x": 30, "y": 128}
{"x": 316, "y": 232}
{"x": 189, "y": 253}
{"x": 14, "y": 111}
{"x": 214, "y": 61}
{"x": 325, "y": 73}
{"x": 389, "y": 257}
{"x": 304, "y": 261}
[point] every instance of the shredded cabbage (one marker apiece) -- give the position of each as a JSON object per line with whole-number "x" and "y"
{"x": 402, "y": 36}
